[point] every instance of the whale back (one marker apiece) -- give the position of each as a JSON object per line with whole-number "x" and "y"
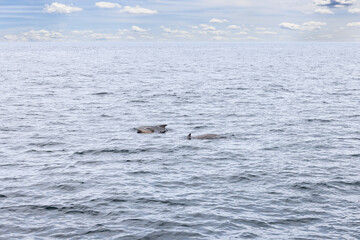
{"x": 207, "y": 136}
{"x": 152, "y": 129}
{"x": 144, "y": 130}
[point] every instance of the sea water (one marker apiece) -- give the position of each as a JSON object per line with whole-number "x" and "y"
{"x": 73, "y": 167}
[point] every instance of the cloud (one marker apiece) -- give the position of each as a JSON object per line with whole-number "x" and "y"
{"x": 239, "y": 3}
{"x": 353, "y": 24}
{"x": 307, "y": 26}
{"x": 354, "y": 10}
{"x": 119, "y": 35}
{"x": 324, "y": 11}
{"x": 241, "y": 33}
{"x": 37, "y": 36}
{"x": 61, "y": 8}
{"x": 169, "y": 30}
{"x": 216, "y": 20}
{"x": 334, "y": 3}
{"x": 177, "y": 33}
{"x": 107, "y": 5}
{"x": 252, "y": 38}
{"x": 138, "y": 29}
{"x": 42, "y": 35}
{"x": 233, "y": 27}
{"x": 207, "y": 27}
{"x": 104, "y": 36}
{"x": 147, "y": 37}
{"x": 267, "y": 32}
{"x": 290, "y": 26}
{"x": 220, "y": 38}
{"x": 81, "y": 32}
{"x": 218, "y": 32}
{"x": 138, "y": 10}
{"x": 11, "y": 37}
{"x": 312, "y": 25}
{"x": 123, "y": 31}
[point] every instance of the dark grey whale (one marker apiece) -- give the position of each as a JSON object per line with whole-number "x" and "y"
{"x": 204, "y": 136}
{"x": 152, "y": 129}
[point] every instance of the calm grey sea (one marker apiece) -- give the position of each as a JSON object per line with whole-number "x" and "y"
{"x": 73, "y": 167}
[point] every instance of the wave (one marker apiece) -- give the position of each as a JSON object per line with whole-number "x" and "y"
{"x": 319, "y": 120}
{"x": 102, "y": 93}
{"x": 46, "y": 144}
{"x": 106, "y": 150}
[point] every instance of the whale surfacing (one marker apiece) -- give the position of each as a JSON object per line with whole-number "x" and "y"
{"x": 204, "y": 136}
{"x": 152, "y": 129}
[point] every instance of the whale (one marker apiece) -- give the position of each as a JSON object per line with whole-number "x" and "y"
{"x": 152, "y": 129}
{"x": 204, "y": 136}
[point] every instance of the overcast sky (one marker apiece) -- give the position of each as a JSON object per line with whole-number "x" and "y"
{"x": 180, "y": 20}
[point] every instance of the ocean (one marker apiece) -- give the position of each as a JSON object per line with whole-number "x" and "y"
{"x": 287, "y": 165}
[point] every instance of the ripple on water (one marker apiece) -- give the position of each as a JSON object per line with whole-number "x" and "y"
{"x": 102, "y": 151}
{"x": 73, "y": 167}
{"x": 102, "y": 93}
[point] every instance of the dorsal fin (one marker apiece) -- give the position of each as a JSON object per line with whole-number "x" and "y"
{"x": 189, "y": 136}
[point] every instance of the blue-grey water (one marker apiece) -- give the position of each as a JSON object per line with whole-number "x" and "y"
{"x": 73, "y": 167}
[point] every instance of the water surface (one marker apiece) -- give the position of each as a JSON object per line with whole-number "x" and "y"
{"x": 73, "y": 167}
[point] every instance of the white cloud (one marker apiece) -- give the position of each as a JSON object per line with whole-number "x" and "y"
{"x": 81, "y": 32}
{"x": 138, "y": 10}
{"x": 169, "y": 30}
{"x": 307, "y": 26}
{"x": 42, "y": 35}
{"x": 147, "y": 37}
{"x": 324, "y": 11}
{"x": 207, "y": 27}
{"x": 267, "y": 32}
{"x": 61, "y": 8}
{"x": 312, "y": 25}
{"x": 177, "y": 33}
{"x": 354, "y": 10}
{"x": 353, "y": 24}
{"x": 36, "y": 36}
{"x": 252, "y": 38}
{"x": 233, "y": 27}
{"x": 322, "y": 2}
{"x": 241, "y": 33}
{"x": 218, "y": 32}
{"x": 290, "y": 26}
{"x": 239, "y": 3}
{"x": 216, "y": 20}
{"x": 11, "y": 37}
{"x": 327, "y": 36}
{"x": 123, "y": 31}
{"x": 104, "y": 36}
{"x": 201, "y": 32}
{"x": 138, "y": 29}
{"x": 219, "y": 38}
{"x": 107, "y": 5}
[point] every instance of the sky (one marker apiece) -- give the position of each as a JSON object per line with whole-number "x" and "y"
{"x": 180, "y": 20}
